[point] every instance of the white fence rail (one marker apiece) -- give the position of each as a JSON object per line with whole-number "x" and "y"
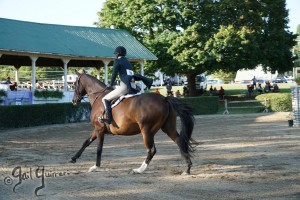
{"x": 265, "y": 105}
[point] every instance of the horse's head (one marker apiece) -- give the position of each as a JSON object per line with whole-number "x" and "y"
{"x": 79, "y": 89}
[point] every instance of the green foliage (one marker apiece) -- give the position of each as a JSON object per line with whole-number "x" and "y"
{"x": 5, "y": 72}
{"x": 45, "y": 114}
{"x": 48, "y": 94}
{"x": 203, "y": 105}
{"x": 279, "y": 102}
{"x": 42, "y": 114}
{"x": 225, "y": 76}
{"x": 2, "y": 93}
{"x": 192, "y": 37}
{"x": 229, "y": 49}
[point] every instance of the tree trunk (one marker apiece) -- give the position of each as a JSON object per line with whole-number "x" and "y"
{"x": 191, "y": 78}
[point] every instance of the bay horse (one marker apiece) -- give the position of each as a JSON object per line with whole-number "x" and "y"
{"x": 145, "y": 113}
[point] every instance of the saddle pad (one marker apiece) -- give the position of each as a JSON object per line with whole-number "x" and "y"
{"x": 124, "y": 97}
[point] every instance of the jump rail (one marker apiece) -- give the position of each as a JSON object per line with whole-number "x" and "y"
{"x": 265, "y": 106}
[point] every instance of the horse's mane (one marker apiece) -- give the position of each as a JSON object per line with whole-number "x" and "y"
{"x": 96, "y": 80}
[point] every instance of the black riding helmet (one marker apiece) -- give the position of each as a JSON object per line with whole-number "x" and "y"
{"x": 120, "y": 51}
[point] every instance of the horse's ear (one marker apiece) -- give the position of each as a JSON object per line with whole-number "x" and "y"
{"x": 81, "y": 71}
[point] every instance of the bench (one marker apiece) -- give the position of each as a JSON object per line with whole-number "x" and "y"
{"x": 265, "y": 105}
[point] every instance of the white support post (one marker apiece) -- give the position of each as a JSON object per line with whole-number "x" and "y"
{"x": 65, "y": 61}
{"x": 106, "y": 62}
{"x": 33, "y": 73}
{"x": 17, "y": 75}
{"x": 142, "y": 73}
{"x": 266, "y": 105}
{"x": 226, "y": 112}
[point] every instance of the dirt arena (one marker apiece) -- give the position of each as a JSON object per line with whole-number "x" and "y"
{"x": 253, "y": 156}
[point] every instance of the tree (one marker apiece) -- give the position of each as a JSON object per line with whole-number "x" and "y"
{"x": 296, "y": 49}
{"x": 225, "y": 76}
{"x": 192, "y": 37}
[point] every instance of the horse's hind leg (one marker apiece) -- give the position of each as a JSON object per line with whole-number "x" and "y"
{"x": 151, "y": 151}
{"x": 169, "y": 129}
{"x": 85, "y": 144}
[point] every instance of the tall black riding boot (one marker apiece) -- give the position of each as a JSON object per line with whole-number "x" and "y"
{"x": 108, "y": 113}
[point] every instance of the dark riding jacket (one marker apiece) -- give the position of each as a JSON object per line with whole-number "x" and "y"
{"x": 124, "y": 68}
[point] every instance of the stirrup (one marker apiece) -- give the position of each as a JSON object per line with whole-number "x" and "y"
{"x": 104, "y": 120}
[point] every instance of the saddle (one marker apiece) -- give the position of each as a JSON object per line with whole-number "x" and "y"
{"x": 117, "y": 100}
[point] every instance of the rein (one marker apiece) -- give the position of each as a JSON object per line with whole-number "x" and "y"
{"x": 81, "y": 97}
{"x": 103, "y": 90}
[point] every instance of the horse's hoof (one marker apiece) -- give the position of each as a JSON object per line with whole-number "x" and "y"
{"x": 141, "y": 169}
{"x": 72, "y": 161}
{"x": 185, "y": 173}
{"x": 134, "y": 171}
{"x": 93, "y": 169}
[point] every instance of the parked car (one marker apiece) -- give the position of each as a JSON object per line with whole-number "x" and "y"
{"x": 215, "y": 81}
{"x": 201, "y": 82}
{"x": 280, "y": 80}
{"x": 290, "y": 79}
{"x": 157, "y": 82}
{"x": 260, "y": 81}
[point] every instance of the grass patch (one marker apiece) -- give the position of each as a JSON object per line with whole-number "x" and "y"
{"x": 234, "y": 92}
{"x": 230, "y": 89}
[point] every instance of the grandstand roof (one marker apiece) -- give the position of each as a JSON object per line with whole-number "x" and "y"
{"x": 84, "y": 46}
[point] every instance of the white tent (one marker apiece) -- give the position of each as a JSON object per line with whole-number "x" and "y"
{"x": 246, "y": 76}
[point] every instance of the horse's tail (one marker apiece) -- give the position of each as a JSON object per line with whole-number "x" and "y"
{"x": 185, "y": 113}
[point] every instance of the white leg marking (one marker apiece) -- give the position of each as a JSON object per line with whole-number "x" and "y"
{"x": 93, "y": 169}
{"x": 141, "y": 169}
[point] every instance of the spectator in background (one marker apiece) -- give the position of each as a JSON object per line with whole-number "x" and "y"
{"x": 13, "y": 86}
{"x": 250, "y": 90}
{"x": 157, "y": 91}
{"x": 211, "y": 90}
{"x": 215, "y": 92}
{"x": 37, "y": 84}
{"x": 268, "y": 87}
{"x": 177, "y": 94}
{"x": 186, "y": 91}
{"x": 259, "y": 88}
{"x": 254, "y": 82}
{"x": 169, "y": 89}
{"x": 276, "y": 88}
{"x": 7, "y": 81}
{"x": 221, "y": 93}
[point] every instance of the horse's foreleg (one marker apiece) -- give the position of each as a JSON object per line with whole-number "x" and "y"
{"x": 84, "y": 145}
{"x": 100, "y": 140}
{"x": 150, "y": 153}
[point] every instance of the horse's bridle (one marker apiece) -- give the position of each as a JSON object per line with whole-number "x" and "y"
{"x": 81, "y": 97}
{"x": 76, "y": 87}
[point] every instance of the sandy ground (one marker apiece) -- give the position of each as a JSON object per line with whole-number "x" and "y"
{"x": 253, "y": 156}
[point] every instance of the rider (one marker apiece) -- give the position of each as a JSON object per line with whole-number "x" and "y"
{"x": 123, "y": 68}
